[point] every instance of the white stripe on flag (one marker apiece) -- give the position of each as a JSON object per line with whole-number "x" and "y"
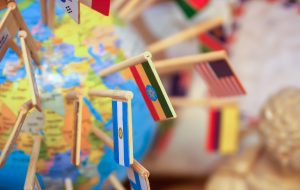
{"x": 120, "y": 126}
{"x": 71, "y": 7}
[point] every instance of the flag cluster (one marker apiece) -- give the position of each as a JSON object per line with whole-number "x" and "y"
{"x": 220, "y": 78}
{"x": 192, "y": 7}
{"x": 223, "y": 129}
{"x": 153, "y": 91}
{"x": 122, "y": 132}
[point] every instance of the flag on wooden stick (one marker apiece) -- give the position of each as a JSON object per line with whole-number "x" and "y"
{"x": 220, "y": 78}
{"x": 101, "y": 6}
{"x": 72, "y": 7}
{"x": 153, "y": 90}
{"x": 122, "y": 132}
{"x": 214, "y": 39}
{"x": 137, "y": 181}
{"x": 223, "y": 127}
{"x": 192, "y": 7}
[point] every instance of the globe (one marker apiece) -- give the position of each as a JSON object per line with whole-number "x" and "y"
{"x": 72, "y": 56}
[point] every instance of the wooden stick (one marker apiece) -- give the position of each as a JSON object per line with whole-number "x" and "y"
{"x": 15, "y": 132}
{"x": 177, "y": 64}
{"x": 68, "y": 184}
{"x": 22, "y": 26}
{"x": 8, "y": 29}
{"x": 114, "y": 94}
{"x": 125, "y": 64}
{"x": 115, "y": 182}
{"x": 140, "y": 9}
{"x": 30, "y": 176}
{"x": 125, "y": 11}
{"x": 43, "y": 4}
{"x": 184, "y": 35}
{"x": 36, "y": 185}
{"x": 116, "y": 4}
{"x": 204, "y": 102}
{"x": 77, "y": 127}
{"x": 51, "y": 13}
{"x": 109, "y": 142}
{"x": 36, "y": 100}
{"x": 3, "y": 4}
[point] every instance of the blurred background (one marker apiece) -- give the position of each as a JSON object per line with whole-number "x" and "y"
{"x": 262, "y": 42}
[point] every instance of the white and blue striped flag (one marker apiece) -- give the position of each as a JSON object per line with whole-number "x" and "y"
{"x": 122, "y": 132}
{"x": 137, "y": 182}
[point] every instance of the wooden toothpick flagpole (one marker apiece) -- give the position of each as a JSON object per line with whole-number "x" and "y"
{"x": 43, "y": 4}
{"x": 22, "y": 26}
{"x": 109, "y": 142}
{"x": 140, "y": 9}
{"x": 36, "y": 100}
{"x": 15, "y": 132}
{"x": 127, "y": 63}
{"x": 51, "y": 13}
{"x": 114, "y": 94}
{"x": 186, "y": 62}
{"x": 129, "y": 6}
{"x": 115, "y": 182}
{"x": 184, "y": 35}
{"x": 204, "y": 102}
{"x": 32, "y": 167}
{"x": 68, "y": 184}
{"x": 116, "y": 4}
{"x": 77, "y": 101}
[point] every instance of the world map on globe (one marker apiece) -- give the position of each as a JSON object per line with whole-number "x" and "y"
{"x": 72, "y": 56}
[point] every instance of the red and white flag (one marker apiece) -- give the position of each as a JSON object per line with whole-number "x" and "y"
{"x": 220, "y": 78}
{"x": 101, "y": 6}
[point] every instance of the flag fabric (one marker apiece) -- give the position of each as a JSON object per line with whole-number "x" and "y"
{"x": 220, "y": 78}
{"x": 153, "y": 91}
{"x": 214, "y": 39}
{"x": 223, "y": 127}
{"x": 137, "y": 182}
{"x": 101, "y": 6}
{"x": 71, "y": 7}
{"x": 192, "y": 7}
{"x": 122, "y": 132}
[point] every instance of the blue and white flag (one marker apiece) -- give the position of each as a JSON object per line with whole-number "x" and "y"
{"x": 72, "y": 7}
{"x": 122, "y": 130}
{"x": 137, "y": 182}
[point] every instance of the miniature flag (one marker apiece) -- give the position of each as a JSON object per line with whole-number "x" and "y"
{"x": 223, "y": 129}
{"x": 123, "y": 147}
{"x": 72, "y": 7}
{"x": 220, "y": 78}
{"x": 137, "y": 182}
{"x": 214, "y": 39}
{"x": 192, "y": 7}
{"x": 153, "y": 91}
{"x": 101, "y": 6}
{"x": 4, "y": 38}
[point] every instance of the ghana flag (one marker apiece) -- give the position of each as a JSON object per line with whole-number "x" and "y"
{"x": 214, "y": 39}
{"x": 192, "y": 7}
{"x": 153, "y": 91}
{"x": 223, "y": 127}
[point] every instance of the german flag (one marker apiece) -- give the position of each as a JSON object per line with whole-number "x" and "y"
{"x": 153, "y": 91}
{"x": 192, "y": 7}
{"x": 223, "y": 127}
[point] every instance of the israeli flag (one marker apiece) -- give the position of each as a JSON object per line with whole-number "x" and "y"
{"x": 137, "y": 182}
{"x": 122, "y": 132}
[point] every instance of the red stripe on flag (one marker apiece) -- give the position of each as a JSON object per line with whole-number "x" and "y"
{"x": 142, "y": 88}
{"x": 211, "y": 42}
{"x": 102, "y": 6}
{"x": 238, "y": 85}
{"x": 210, "y": 80}
{"x": 198, "y": 4}
{"x": 211, "y": 131}
{"x": 204, "y": 76}
{"x": 221, "y": 90}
